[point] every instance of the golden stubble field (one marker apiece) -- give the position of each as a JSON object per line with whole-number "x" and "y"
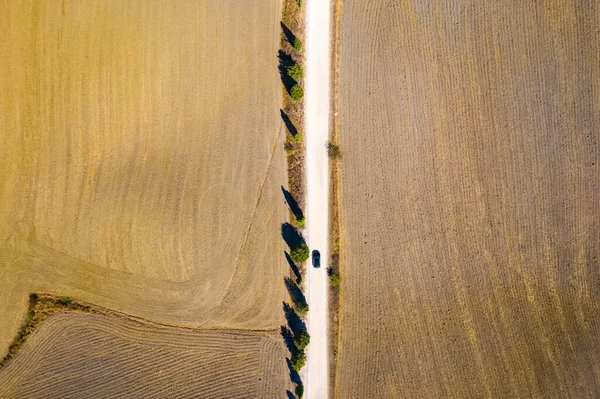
{"x": 86, "y": 355}
{"x": 470, "y": 199}
{"x": 141, "y": 159}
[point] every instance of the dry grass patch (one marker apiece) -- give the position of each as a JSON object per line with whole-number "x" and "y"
{"x": 471, "y": 231}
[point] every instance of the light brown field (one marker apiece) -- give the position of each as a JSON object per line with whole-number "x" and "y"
{"x": 470, "y": 199}
{"x": 91, "y": 356}
{"x": 142, "y": 159}
{"x": 140, "y": 170}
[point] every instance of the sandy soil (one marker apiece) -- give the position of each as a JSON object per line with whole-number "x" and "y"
{"x": 470, "y": 199}
{"x": 142, "y": 159}
{"x": 83, "y": 355}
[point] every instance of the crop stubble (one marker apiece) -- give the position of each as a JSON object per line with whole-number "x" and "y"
{"x": 142, "y": 159}
{"x": 470, "y": 199}
{"x": 87, "y": 355}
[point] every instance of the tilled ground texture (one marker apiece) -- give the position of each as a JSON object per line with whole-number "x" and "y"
{"x": 470, "y": 199}
{"x": 141, "y": 159}
{"x": 98, "y": 356}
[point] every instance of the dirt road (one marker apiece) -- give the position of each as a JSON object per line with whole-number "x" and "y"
{"x": 317, "y": 170}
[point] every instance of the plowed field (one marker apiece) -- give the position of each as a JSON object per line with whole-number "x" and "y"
{"x": 470, "y": 199}
{"x": 141, "y": 159}
{"x": 91, "y": 356}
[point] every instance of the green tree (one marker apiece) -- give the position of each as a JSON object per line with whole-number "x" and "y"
{"x": 298, "y": 360}
{"x": 298, "y": 44}
{"x": 300, "y": 253}
{"x": 296, "y": 92}
{"x": 295, "y": 72}
{"x": 301, "y": 339}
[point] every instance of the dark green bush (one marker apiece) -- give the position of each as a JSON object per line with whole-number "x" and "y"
{"x": 299, "y": 391}
{"x": 333, "y": 151}
{"x": 300, "y": 253}
{"x": 334, "y": 279}
{"x": 301, "y": 339}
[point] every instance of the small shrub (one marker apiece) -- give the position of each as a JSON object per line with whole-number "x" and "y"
{"x": 302, "y": 309}
{"x": 65, "y": 300}
{"x": 299, "y": 391}
{"x": 301, "y": 339}
{"x": 300, "y": 253}
{"x": 334, "y": 279}
{"x": 30, "y": 314}
{"x": 300, "y": 220}
{"x": 298, "y": 360}
{"x": 299, "y": 3}
{"x": 296, "y": 92}
{"x": 298, "y": 45}
{"x": 297, "y": 138}
{"x": 333, "y": 151}
{"x": 289, "y": 149}
{"x": 295, "y": 72}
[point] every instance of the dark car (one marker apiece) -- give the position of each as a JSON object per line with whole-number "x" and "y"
{"x": 316, "y": 258}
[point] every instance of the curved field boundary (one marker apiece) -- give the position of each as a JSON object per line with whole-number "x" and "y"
{"x": 141, "y": 169}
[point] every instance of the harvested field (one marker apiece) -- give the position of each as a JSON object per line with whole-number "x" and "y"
{"x": 470, "y": 199}
{"x": 84, "y": 355}
{"x": 142, "y": 159}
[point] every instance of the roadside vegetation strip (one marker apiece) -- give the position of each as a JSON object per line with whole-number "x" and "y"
{"x": 42, "y": 306}
{"x": 291, "y": 69}
{"x": 291, "y": 61}
{"x": 335, "y": 156}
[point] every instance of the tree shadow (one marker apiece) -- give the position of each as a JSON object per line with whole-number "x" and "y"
{"x": 288, "y": 339}
{"x": 289, "y": 35}
{"x": 294, "y": 207}
{"x": 289, "y": 394}
{"x": 294, "y": 321}
{"x": 294, "y": 376}
{"x": 285, "y": 61}
{"x": 288, "y": 123}
{"x": 295, "y": 292}
{"x": 291, "y": 236}
{"x": 293, "y": 267}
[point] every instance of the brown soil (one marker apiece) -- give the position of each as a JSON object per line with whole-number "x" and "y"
{"x": 471, "y": 231}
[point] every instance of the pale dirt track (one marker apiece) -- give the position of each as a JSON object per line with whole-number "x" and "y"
{"x": 92, "y": 356}
{"x": 470, "y": 199}
{"x": 317, "y": 202}
{"x": 141, "y": 159}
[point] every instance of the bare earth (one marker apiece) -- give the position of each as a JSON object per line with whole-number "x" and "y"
{"x": 141, "y": 160}
{"x": 84, "y": 355}
{"x": 470, "y": 193}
